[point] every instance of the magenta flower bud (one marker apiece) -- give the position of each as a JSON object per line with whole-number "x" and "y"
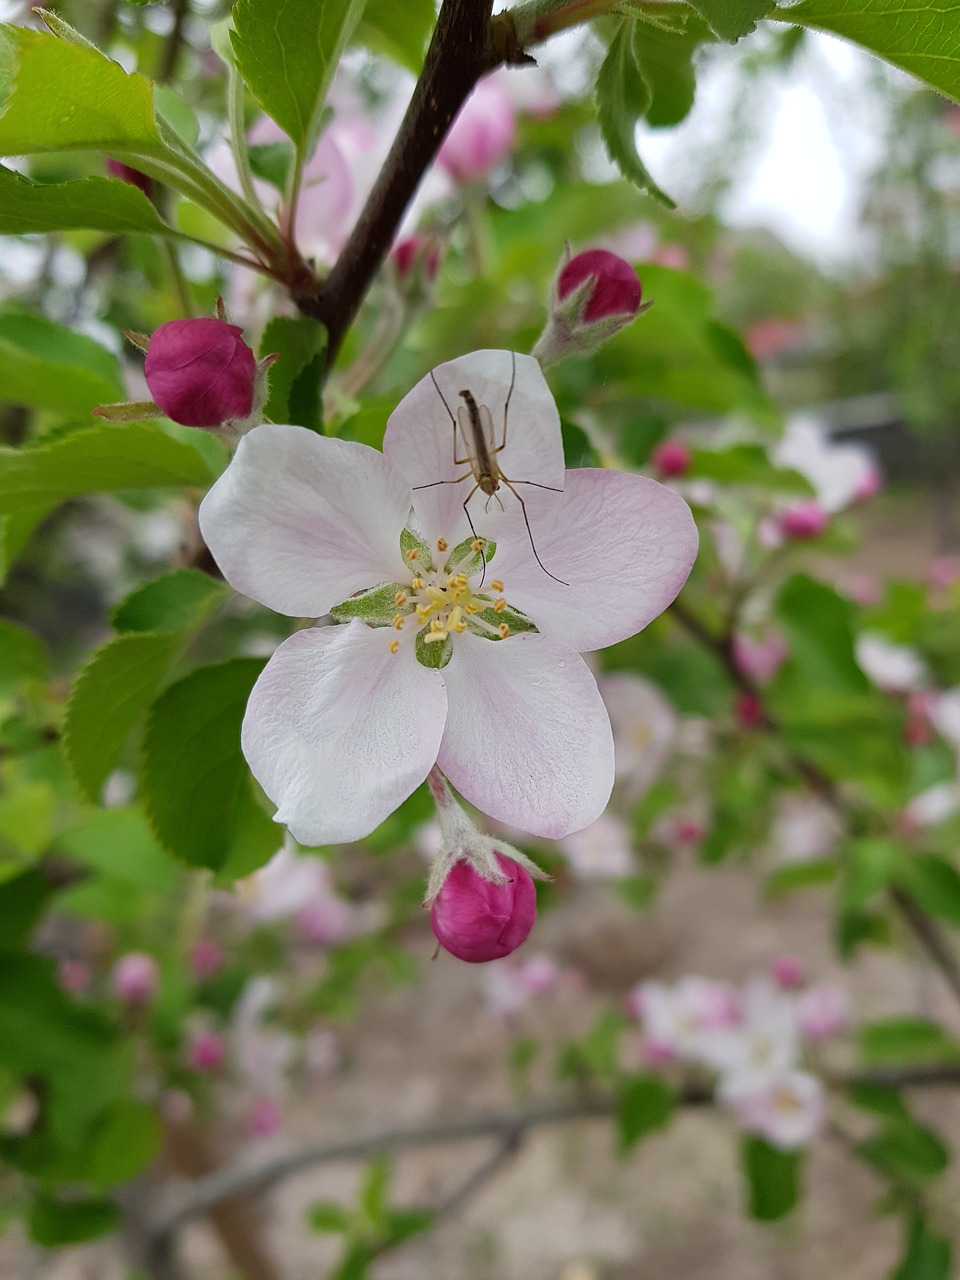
{"x": 748, "y": 709}
{"x": 135, "y": 978}
{"x": 200, "y": 372}
{"x": 418, "y": 253}
{"x": 616, "y": 291}
{"x": 787, "y": 971}
{"x": 206, "y": 1052}
{"x": 477, "y": 920}
{"x": 125, "y": 173}
{"x": 206, "y": 958}
{"x": 805, "y": 519}
{"x": 671, "y": 458}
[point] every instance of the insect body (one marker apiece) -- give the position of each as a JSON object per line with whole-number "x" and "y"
{"x": 475, "y": 424}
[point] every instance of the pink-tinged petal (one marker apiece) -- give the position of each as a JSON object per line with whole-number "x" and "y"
{"x": 623, "y": 543}
{"x": 528, "y": 739}
{"x": 300, "y": 521}
{"x": 339, "y": 730}
{"x": 419, "y": 439}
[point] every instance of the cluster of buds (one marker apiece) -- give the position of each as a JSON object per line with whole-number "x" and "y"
{"x": 200, "y": 373}
{"x": 480, "y": 891}
{"x": 592, "y": 297}
{"x": 413, "y": 265}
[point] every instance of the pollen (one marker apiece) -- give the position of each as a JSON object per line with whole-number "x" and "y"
{"x": 499, "y": 605}
{"x": 417, "y": 584}
{"x": 413, "y": 554}
{"x": 442, "y": 544}
{"x": 394, "y": 646}
{"x": 400, "y": 599}
{"x": 398, "y": 622}
{"x": 473, "y": 607}
{"x": 496, "y": 585}
{"x": 504, "y": 630}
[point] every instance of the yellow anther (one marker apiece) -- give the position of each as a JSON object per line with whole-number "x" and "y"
{"x": 398, "y": 622}
{"x": 416, "y": 584}
{"x": 456, "y": 622}
{"x": 460, "y": 581}
{"x": 496, "y": 585}
{"x": 477, "y": 544}
{"x": 394, "y": 646}
{"x": 413, "y": 553}
{"x": 499, "y": 605}
{"x": 400, "y": 599}
{"x": 437, "y": 632}
{"x": 504, "y": 630}
{"x": 437, "y": 594}
{"x": 442, "y": 544}
{"x": 473, "y": 607}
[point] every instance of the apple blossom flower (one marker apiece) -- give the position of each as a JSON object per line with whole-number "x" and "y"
{"x": 482, "y": 134}
{"x": 283, "y": 886}
{"x": 786, "y": 1108}
{"x": 592, "y": 296}
{"x": 932, "y": 806}
{"x": 766, "y": 339}
{"x": 759, "y": 660}
{"x": 764, "y": 1040}
{"x": 823, "y": 1010}
{"x": 200, "y": 372}
{"x": 645, "y": 727}
{"x": 787, "y": 971}
{"x": 262, "y": 1054}
{"x": 839, "y": 473}
{"x": 135, "y": 978}
{"x": 206, "y": 958}
{"x": 206, "y": 1052}
{"x": 943, "y": 572}
{"x": 671, "y": 458}
{"x": 600, "y": 851}
{"x": 458, "y": 649}
{"x": 895, "y": 668}
{"x": 803, "y": 828}
{"x": 675, "y": 256}
{"x": 509, "y": 986}
{"x": 676, "y": 1019}
{"x": 477, "y": 919}
{"x": 264, "y": 1117}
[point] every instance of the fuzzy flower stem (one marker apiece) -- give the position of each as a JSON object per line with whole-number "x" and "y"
{"x": 537, "y": 20}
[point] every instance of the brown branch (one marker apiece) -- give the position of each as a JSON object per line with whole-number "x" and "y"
{"x": 465, "y": 46}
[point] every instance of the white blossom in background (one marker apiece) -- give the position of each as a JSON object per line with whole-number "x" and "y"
{"x": 645, "y": 727}
{"x": 262, "y": 1054}
{"x": 895, "y": 668}
{"x": 803, "y": 828}
{"x": 787, "y": 1108}
{"x": 601, "y": 851}
{"x": 840, "y": 474}
{"x": 509, "y": 985}
{"x": 677, "y": 1019}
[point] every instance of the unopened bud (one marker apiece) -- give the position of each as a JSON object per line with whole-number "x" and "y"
{"x": 671, "y": 458}
{"x": 135, "y": 978}
{"x": 201, "y": 373}
{"x": 805, "y": 519}
{"x": 592, "y": 297}
{"x": 748, "y": 709}
{"x": 206, "y": 958}
{"x": 125, "y": 173}
{"x": 416, "y": 253}
{"x": 478, "y": 920}
{"x": 206, "y": 1052}
{"x": 787, "y": 972}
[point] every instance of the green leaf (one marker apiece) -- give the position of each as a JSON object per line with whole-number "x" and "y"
{"x": 15, "y": 532}
{"x": 773, "y": 1179}
{"x": 273, "y": 162}
{"x": 178, "y": 601}
{"x": 665, "y": 59}
{"x": 128, "y": 1137}
{"x": 287, "y": 52}
{"x": 905, "y": 1040}
{"x": 94, "y": 204}
{"x": 26, "y": 816}
{"x": 644, "y": 1104}
{"x": 746, "y": 464}
{"x": 52, "y": 1222}
{"x": 295, "y": 380}
{"x": 23, "y": 655}
{"x": 922, "y": 38}
{"x": 119, "y": 845}
{"x": 881, "y": 1099}
{"x": 927, "y": 1256}
{"x": 399, "y": 31}
{"x": 401, "y": 1224}
{"x": 623, "y": 98}
{"x": 375, "y": 1190}
{"x": 906, "y": 1150}
{"x": 731, "y": 19}
{"x": 196, "y": 784}
{"x": 327, "y": 1217}
{"x": 22, "y": 902}
{"x": 46, "y": 365}
{"x": 111, "y": 693}
{"x": 435, "y": 655}
{"x": 935, "y": 883}
{"x": 801, "y": 875}
{"x": 58, "y": 97}
{"x": 111, "y": 457}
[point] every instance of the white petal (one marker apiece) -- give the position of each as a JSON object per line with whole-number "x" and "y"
{"x": 623, "y": 543}
{"x": 419, "y": 439}
{"x": 300, "y": 521}
{"x": 528, "y": 739}
{"x": 339, "y": 730}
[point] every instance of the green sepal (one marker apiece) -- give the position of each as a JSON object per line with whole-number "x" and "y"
{"x": 435, "y": 655}
{"x": 514, "y": 619}
{"x": 409, "y": 541}
{"x": 377, "y": 607}
{"x": 463, "y": 560}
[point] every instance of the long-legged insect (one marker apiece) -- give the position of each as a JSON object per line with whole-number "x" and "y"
{"x": 476, "y": 427}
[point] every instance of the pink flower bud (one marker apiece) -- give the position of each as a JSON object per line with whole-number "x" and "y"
{"x": 759, "y": 660}
{"x": 73, "y": 975}
{"x": 206, "y": 958}
{"x": 264, "y": 1118}
{"x": 671, "y": 458}
{"x": 748, "y": 709}
{"x": 477, "y": 920}
{"x": 200, "y": 372}
{"x": 823, "y": 1011}
{"x": 135, "y": 978}
{"x": 616, "y": 291}
{"x": 416, "y": 253}
{"x": 787, "y": 971}
{"x": 481, "y": 135}
{"x": 944, "y": 571}
{"x": 206, "y": 1052}
{"x": 125, "y": 173}
{"x": 805, "y": 519}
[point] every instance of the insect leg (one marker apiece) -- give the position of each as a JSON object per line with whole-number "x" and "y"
{"x": 433, "y": 483}
{"x": 457, "y": 462}
{"x": 476, "y": 536}
{"x": 526, "y": 521}
{"x": 506, "y": 403}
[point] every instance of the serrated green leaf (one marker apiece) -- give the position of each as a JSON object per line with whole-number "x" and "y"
{"x": 922, "y": 38}
{"x": 378, "y": 607}
{"x": 23, "y": 655}
{"x": 52, "y": 1222}
{"x": 665, "y": 60}
{"x": 46, "y": 365}
{"x": 111, "y": 693}
{"x": 623, "y": 98}
{"x": 773, "y": 1179}
{"x": 399, "y": 31}
{"x": 301, "y": 343}
{"x": 111, "y": 457}
{"x": 196, "y": 785}
{"x": 287, "y": 52}
{"x": 644, "y": 1104}
{"x": 178, "y": 601}
{"x": 732, "y": 19}
{"x": 94, "y": 204}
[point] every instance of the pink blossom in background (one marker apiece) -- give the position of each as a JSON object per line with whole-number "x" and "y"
{"x": 206, "y": 1052}
{"x": 931, "y": 807}
{"x": 671, "y": 458}
{"x": 823, "y": 1010}
{"x": 759, "y": 660}
{"x": 302, "y": 522}
{"x": 477, "y": 920}
{"x": 869, "y": 485}
{"x": 677, "y": 1018}
{"x": 321, "y": 1054}
{"x": 482, "y": 134}
{"x": 803, "y": 519}
{"x": 919, "y": 729}
{"x": 748, "y": 709}
{"x": 326, "y": 921}
{"x": 264, "y": 1118}
{"x": 418, "y": 252}
{"x": 675, "y": 256}
{"x": 788, "y": 1108}
{"x": 601, "y": 851}
{"x": 863, "y": 589}
{"x": 787, "y": 971}
{"x": 262, "y": 1052}
{"x": 135, "y": 977}
{"x": 766, "y": 1038}
{"x": 645, "y": 727}
{"x": 803, "y": 828}
{"x": 768, "y": 338}
{"x": 73, "y": 975}
{"x": 206, "y": 958}
{"x": 943, "y": 571}
{"x": 838, "y": 473}
{"x": 510, "y": 986}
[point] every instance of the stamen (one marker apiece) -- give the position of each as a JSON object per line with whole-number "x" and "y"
{"x": 424, "y": 611}
{"x": 478, "y": 544}
{"x": 398, "y": 622}
{"x": 458, "y": 581}
{"x": 496, "y": 585}
{"x": 442, "y": 544}
{"x": 455, "y": 621}
{"x": 437, "y": 594}
{"x": 504, "y": 630}
{"x": 499, "y": 605}
{"x": 394, "y": 646}
{"x": 413, "y": 554}
{"x": 417, "y": 584}
{"x": 400, "y": 599}
{"x": 473, "y": 607}
{"x": 437, "y": 632}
